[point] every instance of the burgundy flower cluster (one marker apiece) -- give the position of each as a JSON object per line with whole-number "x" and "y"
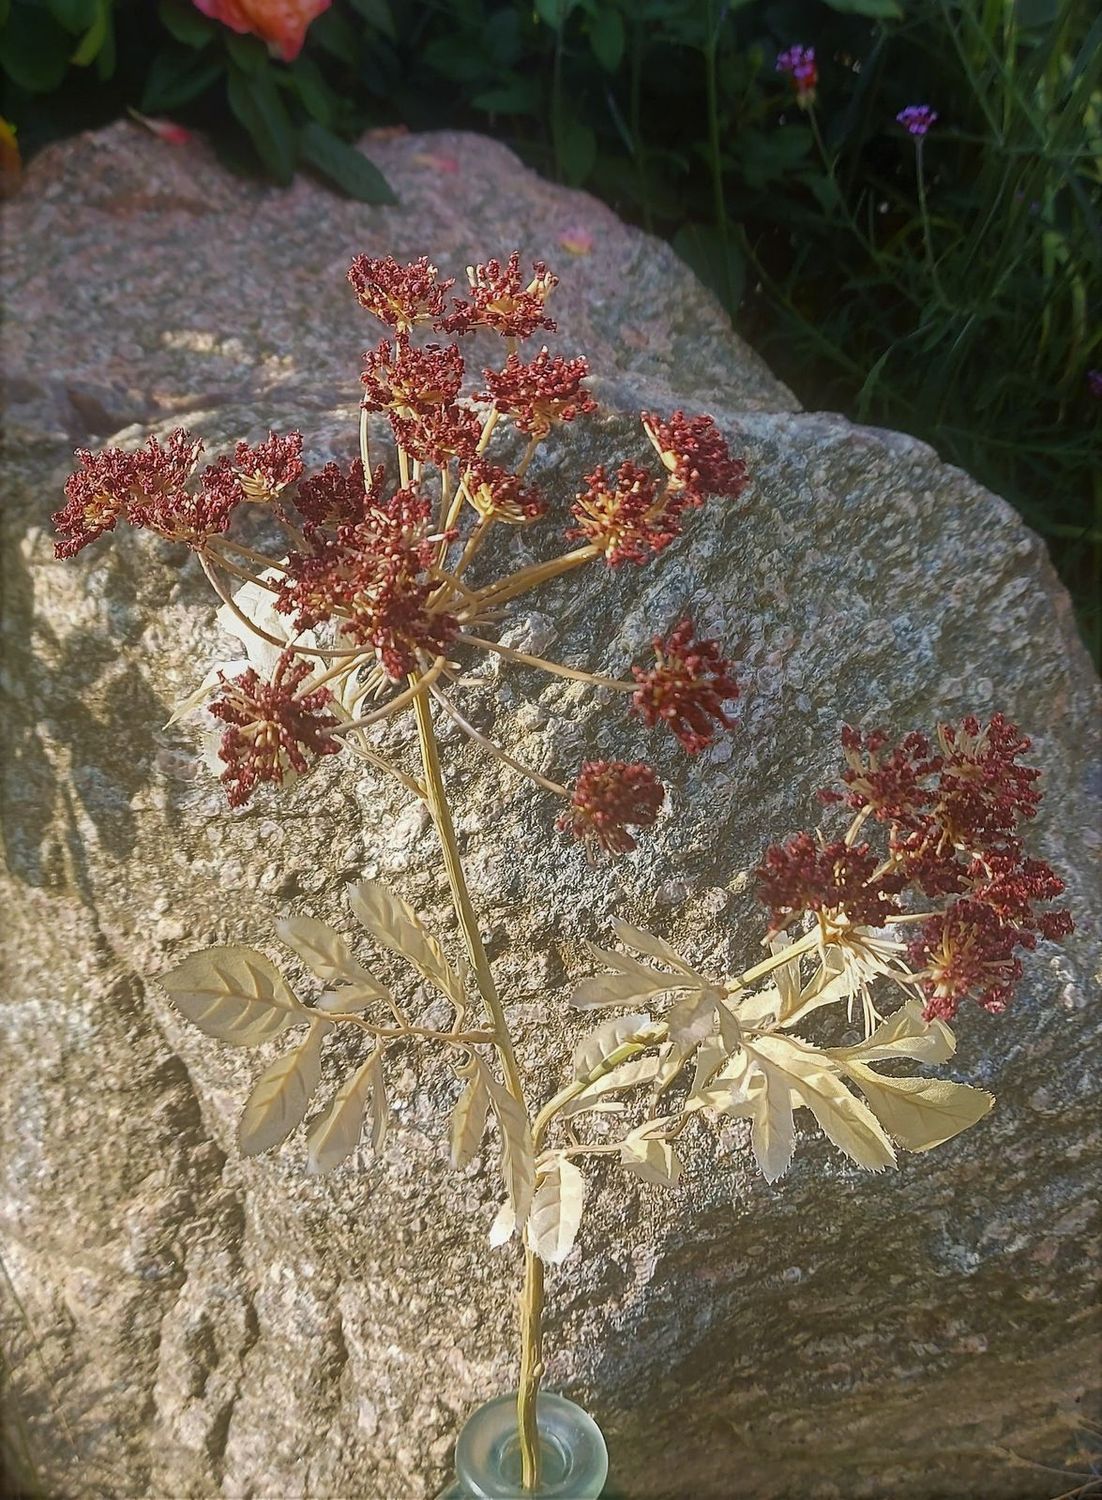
{"x": 537, "y": 395}
{"x": 271, "y": 726}
{"x": 951, "y": 814}
{"x": 686, "y": 689}
{"x": 609, "y": 797}
{"x": 373, "y": 576}
{"x": 149, "y": 488}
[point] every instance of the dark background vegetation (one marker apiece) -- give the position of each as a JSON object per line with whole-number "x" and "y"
{"x": 945, "y": 292}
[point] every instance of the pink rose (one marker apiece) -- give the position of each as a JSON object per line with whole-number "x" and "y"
{"x": 280, "y": 23}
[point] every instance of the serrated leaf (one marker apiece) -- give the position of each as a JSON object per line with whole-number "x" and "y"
{"x": 596, "y": 1048}
{"x": 504, "y": 1226}
{"x": 390, "y": 921}
{"x": 813, "y": 1079}
{"x": 343, "y": 165}
{"x": 767, "y": 1099}
{"x": 902, "y": 1034}
{"x": 518, "y": 1165}
{"x": 654, "y": 947}
{"x": 335, "y": 1134}
{"x": 282, "y": 1095}
{"x": 692, "y": 1017}
{"x": 468, "y": 1123}
{"x": 630, "y": 982}
{"x": 234, "y": 994}
{"x": 327, "y": 954}
{"x": 628, "y": 1075}
{"x": 556, "y": 1212}
{"x": 920, "y": 1112}
{"x": 653, "y": 1161}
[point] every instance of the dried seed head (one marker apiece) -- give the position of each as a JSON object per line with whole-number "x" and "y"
{"x": 400, "y": 296}
{"x": 628, "y": 518}
{"x": 146, "y": 488}
{"x": 541, "y": 393}
{"x": 501, "y": 300}
{"x": 409, "y": 381}
{"x": 686, "y": 688}
{"x": 609, "y": 797}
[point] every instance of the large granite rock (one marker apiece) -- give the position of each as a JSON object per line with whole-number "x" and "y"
{"x": 208, "y": 1326}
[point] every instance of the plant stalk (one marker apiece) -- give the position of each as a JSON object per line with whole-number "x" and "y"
{"x": 531, "y": 1313}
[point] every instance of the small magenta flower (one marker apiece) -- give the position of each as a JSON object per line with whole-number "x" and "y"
{"x": 917, "y": 119}
{"x": 799, "y": 63}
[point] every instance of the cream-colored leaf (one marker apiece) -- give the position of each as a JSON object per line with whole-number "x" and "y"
{"x": 758, "y": 1008}
{"x": 902, "y": 1034}
{"x": 468, "y": 1123}
{"x": 556, "y": 1212}
{"x": 326, "y": 953}
{"x": 200, "y": 695}
{"x": 335, "y": 1134}
{"x": 596, "y": 1048}
{"x": 692, "y": 1018}
{"x": 392, "y": 922}
{"x": 813, "y": 1079}
{"x": 710, "y": 1057}
{"x": 920, "y": 1112}
{"x": 347, "y": 999}
{"x": 829, "y": 983}
{"x": 518, "y": 1165}
{"x": 282, "y": 1095}
{"x": 767, "y": 1098}
{"x": 724, "y": 1089}
{"x": 730, "y": 1030}
{"x": 629, "y": 982}
{"x": 786, "y": 978}
{"x": 629, "y": 1075}
{"x": 673, "y": 1057}
{"x": 380, "y": 1108}
{"x": 504, "y": 1226}
{"x": 654, "y": 947}
{"x": 652, "y": 1160}
{"x": 234, "y": 994}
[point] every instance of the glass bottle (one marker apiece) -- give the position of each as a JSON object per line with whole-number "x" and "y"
{"x": 573, "y": 1456}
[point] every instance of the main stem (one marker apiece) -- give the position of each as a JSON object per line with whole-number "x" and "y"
{"x": 531, "y": 1307}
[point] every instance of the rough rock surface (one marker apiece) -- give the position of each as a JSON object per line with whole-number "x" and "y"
{"x": 208, "y": 1326}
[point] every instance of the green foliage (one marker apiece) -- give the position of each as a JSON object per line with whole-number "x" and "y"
{"x": 953, "y": 305}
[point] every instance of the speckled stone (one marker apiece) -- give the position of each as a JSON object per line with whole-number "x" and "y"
{"x": 213, "y": 1327}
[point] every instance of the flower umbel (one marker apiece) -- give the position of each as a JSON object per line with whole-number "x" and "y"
{"x": 686, "y": 689}
{"x": 272, "y": 727}
{"x": 609, "y": 797}
{"x": 799, "y": 64}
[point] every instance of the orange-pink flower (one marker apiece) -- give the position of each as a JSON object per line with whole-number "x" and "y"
{"x": 280, "y": 23}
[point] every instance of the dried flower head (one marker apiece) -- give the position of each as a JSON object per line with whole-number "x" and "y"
{"x": 338, "y": 497}
{"x": 628, "y": 518}
{"x": 272, "y": 726}
{"x": 541, "y": 393}
{"x": 889, "y": 784}
{"x": 374, "y": 579}
{"x": 610, "y": 796}
{"x": 686, "y": 688}
{"x": 799, "y": 64}
{"x": 916, "y": 119}
{"x": 410, "y": 381}
{"x": 845, "y": 884}
{"x": 982, "y": 791}
{"x": 146, "y": 488}
{"x": 400, "y": 296}
{"x": 696, "y": 456}
{"x": 259, "y": 474}
{"x": 501, "y": 300}
{"x": 438, "y": 434}
{"x": 967, "y": 952}
{"x": 499, "y": 493}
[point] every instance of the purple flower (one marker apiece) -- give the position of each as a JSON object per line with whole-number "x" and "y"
{"x": 1094, "y": 383}
{"x": 917, "y": 118}
{"x": 799, "y": 63}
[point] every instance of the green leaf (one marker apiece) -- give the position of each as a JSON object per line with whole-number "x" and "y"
{"x": 94, "y": 39}
{"x": 719, "y": 265}
{"x": 75, "y": 15}
{"x": 516, "y": 96}
{"x": 34, "y": 50}
{"x": 555, "y": 12}
{"x": 878, "y": 10}
{"x": 335, "y": 34}
{"x": 185, "y": 23}
{"x": 377, "y": 13}
{"x": 176, "y": 76}
{"x": 256, "y": 104}
{"x": 246, "y": 52}
{"x": 576, "y": 148}
{"x": 306, "y": 78}
{"x": 606, "y": 37}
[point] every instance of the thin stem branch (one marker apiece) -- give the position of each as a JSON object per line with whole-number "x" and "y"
{"x": 555, "y": 668}
{"x": 495, "y": 749}
{"x": 536, "y": 573}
